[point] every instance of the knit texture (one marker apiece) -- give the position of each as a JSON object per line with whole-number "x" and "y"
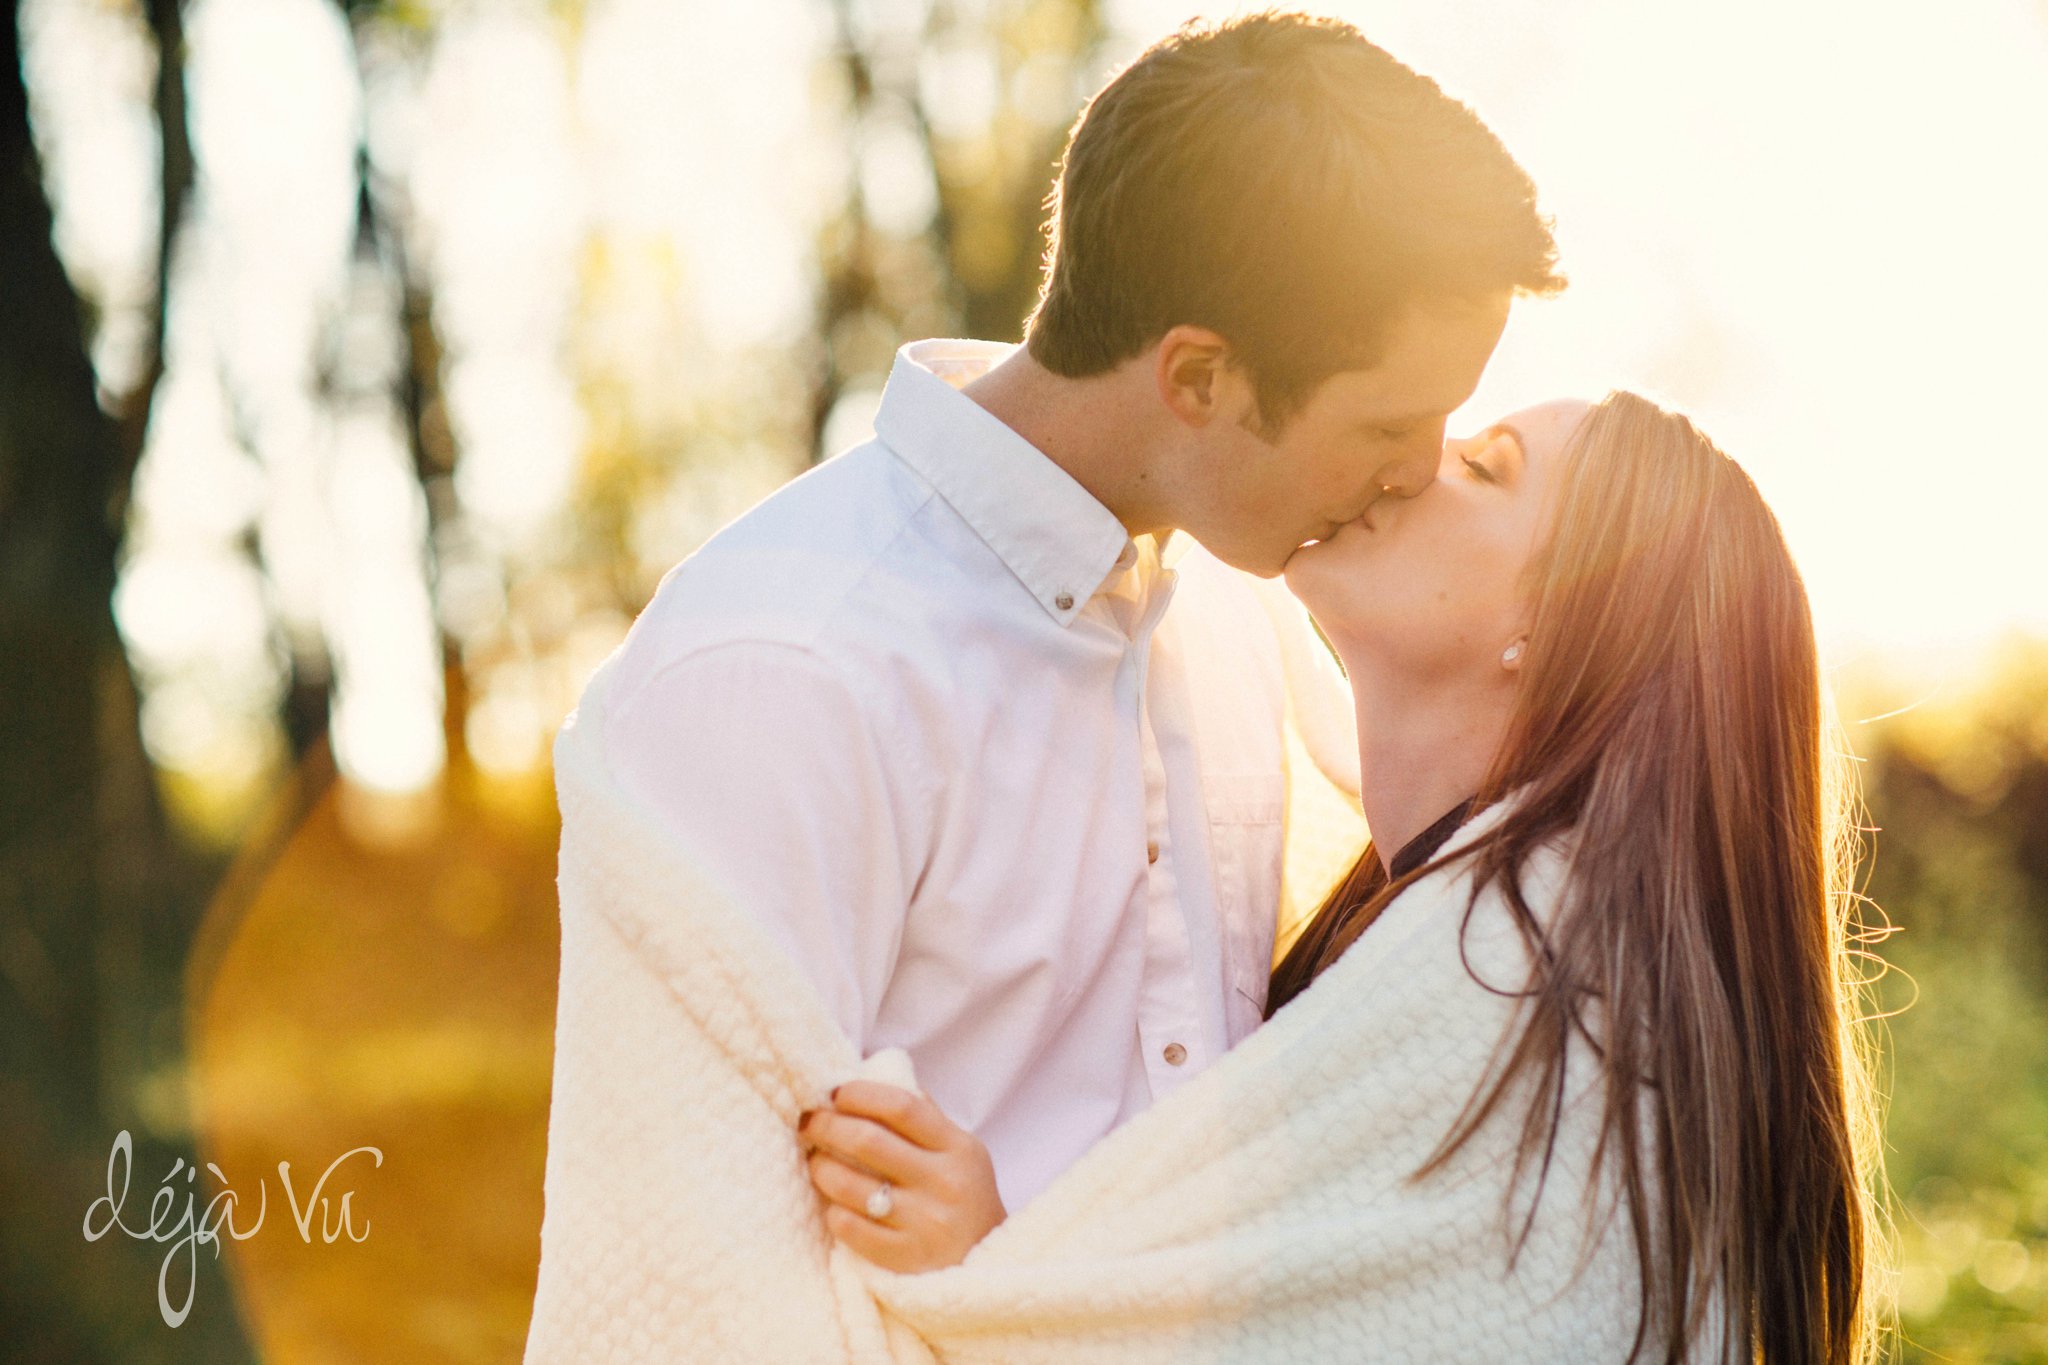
{"x": 1261, "y": 1213}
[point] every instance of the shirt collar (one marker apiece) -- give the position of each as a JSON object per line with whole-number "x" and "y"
{"x": 1060, "y": 542}
{"x": 1152, "y": 557}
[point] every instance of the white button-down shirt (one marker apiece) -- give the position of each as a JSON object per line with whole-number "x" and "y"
{"x": 927, "y": 712}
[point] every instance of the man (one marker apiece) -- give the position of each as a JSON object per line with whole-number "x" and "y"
{"x": 928, "y": 710}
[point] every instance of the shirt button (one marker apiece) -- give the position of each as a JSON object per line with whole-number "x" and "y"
{"x": 1175, "y": 1054}
{"x": 1063, "y": 601}
{"x": 1152, "y": 852}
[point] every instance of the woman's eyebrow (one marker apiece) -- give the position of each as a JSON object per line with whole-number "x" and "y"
{"x": 1521, "y": 442}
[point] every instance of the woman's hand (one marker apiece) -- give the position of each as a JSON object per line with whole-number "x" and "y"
{"x": 942, "y": 1186}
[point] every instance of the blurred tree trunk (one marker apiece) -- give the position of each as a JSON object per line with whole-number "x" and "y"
{"x": 95, "y": 901}
{"x": 383, "y": 245}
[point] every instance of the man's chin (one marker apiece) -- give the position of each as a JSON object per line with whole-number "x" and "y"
{"x": 1295, "y": 556}
{"x": 1258, "y": 561}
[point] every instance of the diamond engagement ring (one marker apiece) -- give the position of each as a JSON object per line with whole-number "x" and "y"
{"x": 882, "y": 1202}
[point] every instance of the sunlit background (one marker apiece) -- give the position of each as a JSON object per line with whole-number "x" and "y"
{"x": 467, "y": 321}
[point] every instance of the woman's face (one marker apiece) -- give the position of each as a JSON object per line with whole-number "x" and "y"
{"x": 1433, "y": 587}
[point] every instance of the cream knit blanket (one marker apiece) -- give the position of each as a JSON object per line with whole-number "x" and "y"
{"x": 1261, "y": 1213}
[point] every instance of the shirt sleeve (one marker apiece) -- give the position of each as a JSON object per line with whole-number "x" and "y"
{"x": 764, "y": 762}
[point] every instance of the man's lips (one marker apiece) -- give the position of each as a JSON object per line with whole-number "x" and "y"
{"x": 1364, "y": 521}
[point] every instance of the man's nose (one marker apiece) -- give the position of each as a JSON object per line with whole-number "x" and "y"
{"x": 1406, "y": 477}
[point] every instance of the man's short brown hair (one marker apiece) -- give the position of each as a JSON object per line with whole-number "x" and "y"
{"x": 1287, "y": 184}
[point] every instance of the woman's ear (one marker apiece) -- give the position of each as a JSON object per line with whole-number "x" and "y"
{"x": 1511, "y": 657}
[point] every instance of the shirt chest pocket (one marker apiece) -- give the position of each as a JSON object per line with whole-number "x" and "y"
{"x": 1245, "y": 831}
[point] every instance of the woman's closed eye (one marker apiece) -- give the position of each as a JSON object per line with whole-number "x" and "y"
{"x": 1479, "y": 470}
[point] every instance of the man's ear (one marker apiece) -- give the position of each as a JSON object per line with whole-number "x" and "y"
{"x": 1190, "y": 368}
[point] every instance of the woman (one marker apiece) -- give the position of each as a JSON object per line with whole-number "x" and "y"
{"x": 1587, "y": 687}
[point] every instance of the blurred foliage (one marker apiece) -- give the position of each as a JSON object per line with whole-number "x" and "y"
{"x": 1958, "y": 788}
{"x": 973, "y": 270}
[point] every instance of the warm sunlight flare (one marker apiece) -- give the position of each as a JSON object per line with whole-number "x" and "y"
{"x": 1800, "y": 224}
{"x": 1817, "y": 228}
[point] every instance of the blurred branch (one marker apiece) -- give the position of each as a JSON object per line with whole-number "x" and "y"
{"x": 167, "y": 26}
{"x": 309, "y": 685}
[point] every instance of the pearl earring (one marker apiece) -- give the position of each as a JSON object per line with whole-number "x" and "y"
{"x": 1511, "y": 653}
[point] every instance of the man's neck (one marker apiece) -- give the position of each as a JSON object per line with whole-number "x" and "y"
{"x": 1087, "y": 428}
{"x": 1421, "y": 752}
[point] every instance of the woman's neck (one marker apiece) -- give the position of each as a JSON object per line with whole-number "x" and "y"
{"x": 1421, "y": 751}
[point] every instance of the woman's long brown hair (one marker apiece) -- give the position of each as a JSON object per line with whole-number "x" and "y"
{"x": 1672, "y": 715}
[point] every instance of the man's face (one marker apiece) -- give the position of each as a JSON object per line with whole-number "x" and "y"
{"x": 1362, "y": 435}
